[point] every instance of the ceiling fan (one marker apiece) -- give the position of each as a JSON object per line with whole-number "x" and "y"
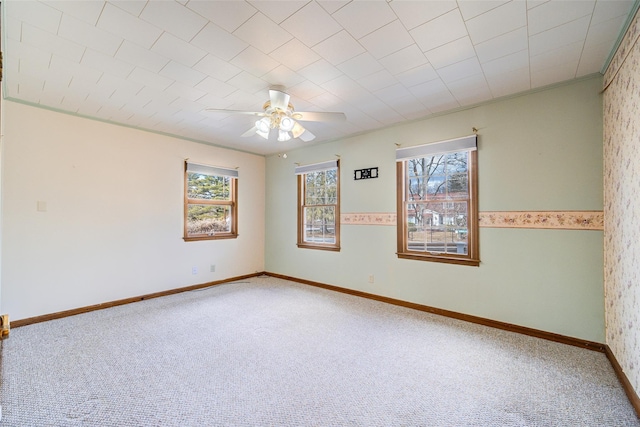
{"x": 279, "y": 114}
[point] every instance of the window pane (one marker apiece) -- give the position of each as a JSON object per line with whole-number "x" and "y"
{"x": 208, "y": 187}
{"x": 457, "y": 175}
{"x": 321, "y": 188}
{"x": 320, "y": 224}
{"x": 208, "y": 219}
{"x": 437, "y": 227}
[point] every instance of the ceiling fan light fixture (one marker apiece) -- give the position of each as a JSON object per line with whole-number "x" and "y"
{"x": 263, "y": 125}
{"x": 283, "y": 136}
{"x": 287, "y": 123}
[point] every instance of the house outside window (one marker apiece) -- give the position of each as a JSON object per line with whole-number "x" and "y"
{"x": 319, "y": 206}
{"x": 210, "y": 202}
{"x": 437, "y": 202}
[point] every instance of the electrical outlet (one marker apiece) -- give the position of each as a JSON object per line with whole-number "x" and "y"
{"x": 212, "y": 268}
{"x": 194, "y": 270}
{"x": 371, "y": 278}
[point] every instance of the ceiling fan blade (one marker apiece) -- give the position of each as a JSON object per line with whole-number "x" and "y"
{"x": 299, "y": 131}
{"x": 250, "y": 113}
{"x": 319, "y": 116}
{"x": 250, "y": 132}
{"x": 279, "y": 99}
{"x": 307, "y": 136}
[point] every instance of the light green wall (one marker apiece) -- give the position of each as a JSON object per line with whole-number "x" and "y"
{"x": 539, "y": 151}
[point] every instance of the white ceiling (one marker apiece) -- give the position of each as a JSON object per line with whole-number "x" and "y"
{"x": 157, "y": 65}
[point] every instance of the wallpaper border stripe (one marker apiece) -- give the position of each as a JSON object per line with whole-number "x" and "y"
{"x": 552, "y": 220}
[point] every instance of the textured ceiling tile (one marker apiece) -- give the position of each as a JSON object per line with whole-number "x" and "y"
{"x": 306, "y": 90}
{"x": 226, "y": 14}
{"x": 393, "y": 93}
{"x": 473, "y": 8}
{"x": 248, "y": 82}
{"x": 114, "y": 83}
{"x": 511, "y": 82}
{"x": 295, "y": 55}
{"x": 439, "y": 31}
{"x": 180, "y": 51}
{"x": 320, "y": 71}
{"x": 404, "y": 60}
{"x": 605, "y": 31}
{"x": 148, "y": 78}
{"x": 498, "y": 21}
{"x": 566, "y": 53}
{"x": 184, "y": 91}
{"x": 216, "y": 68}
{"x": 74, "y": 29}
{"x": 173, "y": 18}
{"x": 327, "y": 101}
{"x": 14, "y": 52}
{"x": 105, "y": 63}
{"x": 460, "y": 70}
{"x": 360, "y": 66}
{"x": 555, "y": 73}
{"x": 450, "y": 53}
{"x": 129, "y": 27}
{"x": 278, "y": 10}
{"x": 470, "y": 90}
{"x": 262, "y": 33}
{"x": 376, "y": 81}
{"x": 87, "y": 11}
{"x": 554, "y": 38}
{"x": 348, "y": 73}
{"x": 35, "y": 13}
{"x": 503, "y": 45}
{"x": 595, "y": 55}
{"x": 410, "y": 108}
{"x": 311, "y": 24}
{"x": 183, "y": 74}
{"x": 363, "y": 17}
{"x": 606, "y": 10}
{"x": 418, "y": 75}
{"x": 505, "y": 64}
{"x": 387, "y": 40}
{"x": 283, "y": 76}
{"x": 135, "y": 55}
{"x": 342, "y": 86}
{"x": 134, "y": 7}
{"x": 339, "y": 48}
{"x": 217, "y": 41}
{"x": 555, "y": 13}
{"x": 332, "y": 5}
{"x": 63, "y": 66}
{"x": 46, "y": 41}
{"x": 254, "y": 61}
{"x": 415, "y": 13}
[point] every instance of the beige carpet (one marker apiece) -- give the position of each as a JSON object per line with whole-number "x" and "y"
{"x": 267, "y": 352}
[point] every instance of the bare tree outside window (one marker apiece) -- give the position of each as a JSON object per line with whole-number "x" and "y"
{"x": 437, "y": 208}
{"x": 318, "y": 211}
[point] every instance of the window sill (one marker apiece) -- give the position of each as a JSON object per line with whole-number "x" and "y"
{"x": 214, "y": 237}
{"x": 319, "y": 247}
{"x": 439, "y": 258}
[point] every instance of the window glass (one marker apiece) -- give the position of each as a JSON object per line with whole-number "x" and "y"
{"x": 210, "y": 203}
{"x": 318, "y": 211}
{"x": 437, "y": 207}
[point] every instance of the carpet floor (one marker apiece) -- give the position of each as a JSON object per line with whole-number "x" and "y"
{"x": 269, "y": 352}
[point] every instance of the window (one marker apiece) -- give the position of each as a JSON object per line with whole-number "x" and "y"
{"x": 319, "y": 206}
{"x": 210, "y": 202}
{"x": 437, "y": 202}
